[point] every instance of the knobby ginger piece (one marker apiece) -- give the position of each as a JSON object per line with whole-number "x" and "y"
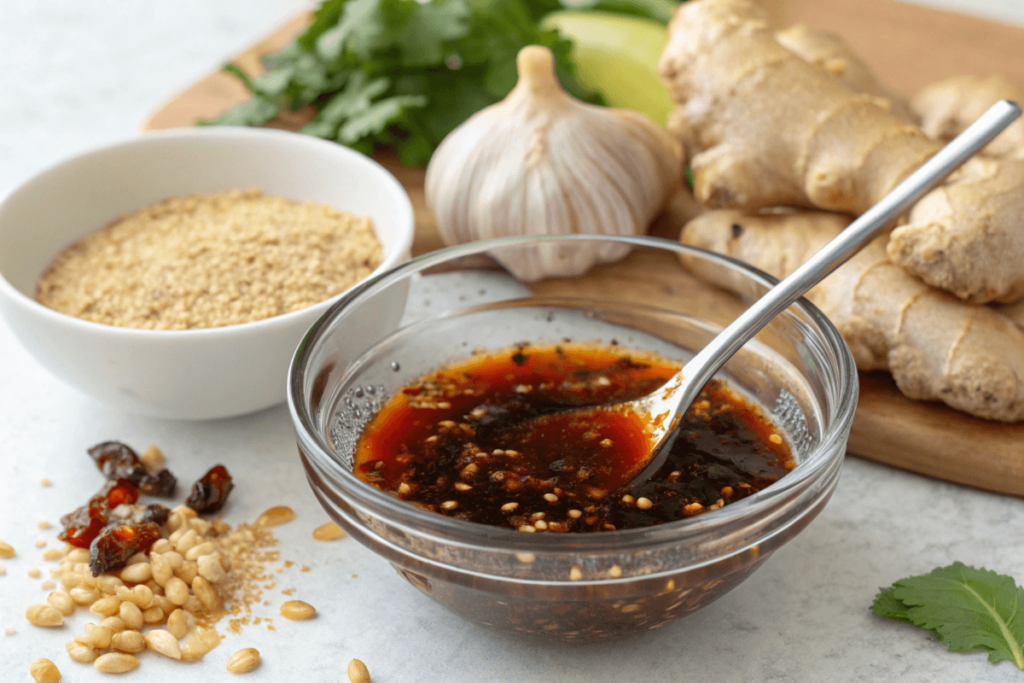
{"x": 830, "y": 52}
{"x": 967, "y": 236}
{"x": 948, "y": 106}
{"x": 937, "y": 347}
{"x": 765, "y": 128}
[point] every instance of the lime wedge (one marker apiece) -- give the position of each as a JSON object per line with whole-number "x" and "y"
{"x": 618, "y": 56}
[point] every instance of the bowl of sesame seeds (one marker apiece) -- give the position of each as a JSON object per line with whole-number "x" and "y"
{"x": 542, "y": 546}
{"x": 173, "y": 274}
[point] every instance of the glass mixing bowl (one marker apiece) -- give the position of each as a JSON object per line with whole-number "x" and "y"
{"x": 453, "y": 302}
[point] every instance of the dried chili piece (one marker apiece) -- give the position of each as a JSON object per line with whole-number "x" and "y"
{"x": 85, "y": 523}
{"x": 210, "y": 492}
{"x": 119, "y": 541}
{"x": 118, "y": 461}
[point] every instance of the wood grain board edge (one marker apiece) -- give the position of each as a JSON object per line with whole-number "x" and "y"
{"x": 927, "y": 438}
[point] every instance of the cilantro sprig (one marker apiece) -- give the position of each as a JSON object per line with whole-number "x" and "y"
{"x": 968, "y": 609}
{"x": 405, "y": 73}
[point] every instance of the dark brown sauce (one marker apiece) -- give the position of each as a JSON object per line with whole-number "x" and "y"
{"x": 488, "y": 440}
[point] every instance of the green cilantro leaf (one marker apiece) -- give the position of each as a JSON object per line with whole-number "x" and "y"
{"x": 968, "y": 609}
{"x": 402, "y": 73}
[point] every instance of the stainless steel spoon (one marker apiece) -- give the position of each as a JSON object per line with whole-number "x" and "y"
{"x": 674, "y": 397}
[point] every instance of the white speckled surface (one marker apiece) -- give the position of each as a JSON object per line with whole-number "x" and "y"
{"x": 77, "y": 74}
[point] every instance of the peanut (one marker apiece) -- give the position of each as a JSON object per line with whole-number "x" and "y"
{"x": 115, "y": 663}
{"x": 297, "y": 610}
{"x": 357, "y": 672}
{"x": 244, "y": 661}
{"x": 44, "y": 615}
{"x": 44, "y": 671}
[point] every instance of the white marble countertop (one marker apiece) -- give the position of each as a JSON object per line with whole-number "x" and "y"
{"x": 75, "y": 75}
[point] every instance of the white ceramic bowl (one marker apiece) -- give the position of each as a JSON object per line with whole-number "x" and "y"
{"x": 191, "y": 374}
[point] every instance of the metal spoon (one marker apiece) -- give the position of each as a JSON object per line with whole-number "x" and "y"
{"x": 673, "y": 398}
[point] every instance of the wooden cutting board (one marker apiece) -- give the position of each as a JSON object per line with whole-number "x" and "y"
{"x": 908, "y": 46}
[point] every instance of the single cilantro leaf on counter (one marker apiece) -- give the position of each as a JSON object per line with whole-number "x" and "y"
{"x": 968, "y": 609}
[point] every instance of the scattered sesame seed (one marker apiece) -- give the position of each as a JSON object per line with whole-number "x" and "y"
{"x": 526, "y": 529}
{"x": 40, "y": 543}
{"x": 525, "y": 558}
{"x": 644, "y": 503}
{"x": 575, "y": 514}
{"x": 9, "y": 631}
{"x": 449, "y": 505}
{"x": 541, "y": 525}
{"x": 575, "y": 573}
{"x": 628, "y": 499}
{"x": 46, "y": 482}
{"x": 509, "y": 507}
{"x": 462, "y": 486}
{"x": 44, "y": 524}
{"x": 550, "y": 497}
{"x": 775, "y": 438}
{"x": 48, "y": 585}
{"x": 404, "y": 488}
{"x": 615, "y": 571}
{"x": 606, "y": 442}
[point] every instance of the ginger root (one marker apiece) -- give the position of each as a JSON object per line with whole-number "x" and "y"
{"x": 937, "y": 348}
{"x": 765, "y": 128}
{"x": 967, "y": 235}
{"x": 831, "y": 53}
{"x": 948, "y": 106}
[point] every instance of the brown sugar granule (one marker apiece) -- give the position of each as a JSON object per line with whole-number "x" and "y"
{"x": 209, "y": 260}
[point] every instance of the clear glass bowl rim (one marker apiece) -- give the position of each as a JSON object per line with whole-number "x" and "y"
{"x": 460, "y": 532}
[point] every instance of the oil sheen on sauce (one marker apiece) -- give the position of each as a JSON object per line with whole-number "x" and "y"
{"x": 488, "y": 440}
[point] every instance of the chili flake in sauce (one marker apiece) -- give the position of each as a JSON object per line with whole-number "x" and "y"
{"x": 471, "y": 441}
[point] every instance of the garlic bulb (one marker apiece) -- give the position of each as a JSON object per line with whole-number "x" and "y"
{"x": 543, "y": 163}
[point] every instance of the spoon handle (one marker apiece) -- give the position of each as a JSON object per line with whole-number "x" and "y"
{"x": 700, "y": 369}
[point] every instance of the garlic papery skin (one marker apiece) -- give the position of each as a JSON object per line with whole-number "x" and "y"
{"x": 543, "y": 163}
